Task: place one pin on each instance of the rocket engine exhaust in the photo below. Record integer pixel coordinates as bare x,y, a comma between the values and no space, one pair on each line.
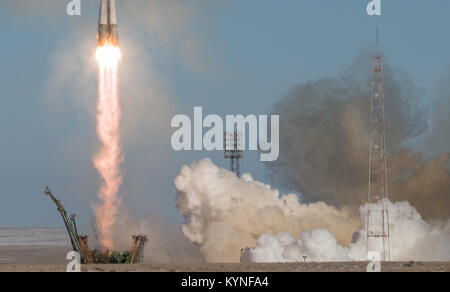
108,159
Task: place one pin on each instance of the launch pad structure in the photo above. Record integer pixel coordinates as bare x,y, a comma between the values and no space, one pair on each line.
378,233
80,242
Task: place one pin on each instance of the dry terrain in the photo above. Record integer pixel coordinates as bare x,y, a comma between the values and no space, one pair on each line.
204,267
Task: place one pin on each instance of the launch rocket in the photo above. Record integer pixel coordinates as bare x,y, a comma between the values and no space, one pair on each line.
107,24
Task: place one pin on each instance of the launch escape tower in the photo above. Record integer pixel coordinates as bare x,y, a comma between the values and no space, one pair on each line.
232,146
378,215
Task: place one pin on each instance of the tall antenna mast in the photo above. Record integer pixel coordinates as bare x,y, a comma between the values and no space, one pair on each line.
377,215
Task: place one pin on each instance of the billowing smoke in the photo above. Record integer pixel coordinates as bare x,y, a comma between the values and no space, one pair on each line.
438,141
225,214
324,142
411,238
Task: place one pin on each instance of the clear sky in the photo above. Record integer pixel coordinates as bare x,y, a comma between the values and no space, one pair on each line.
235,56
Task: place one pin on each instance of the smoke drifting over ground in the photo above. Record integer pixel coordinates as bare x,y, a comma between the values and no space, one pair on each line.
225,214
324,155
411,239
324,142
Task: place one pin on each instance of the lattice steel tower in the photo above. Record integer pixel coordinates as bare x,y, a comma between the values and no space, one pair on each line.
232,146
378,215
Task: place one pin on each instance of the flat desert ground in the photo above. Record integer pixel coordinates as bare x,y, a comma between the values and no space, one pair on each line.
204,267
44,250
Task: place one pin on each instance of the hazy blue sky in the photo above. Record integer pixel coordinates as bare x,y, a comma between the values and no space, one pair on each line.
227,56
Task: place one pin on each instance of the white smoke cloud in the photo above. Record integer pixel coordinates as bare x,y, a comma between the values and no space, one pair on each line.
225,214
411,238
316,245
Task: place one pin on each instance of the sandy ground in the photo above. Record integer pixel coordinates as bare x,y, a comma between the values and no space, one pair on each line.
33,254
23,245
203,267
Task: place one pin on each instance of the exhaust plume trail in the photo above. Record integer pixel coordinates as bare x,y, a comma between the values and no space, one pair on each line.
107,160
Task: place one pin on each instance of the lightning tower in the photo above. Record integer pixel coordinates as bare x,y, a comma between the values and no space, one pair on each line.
232,146
378,216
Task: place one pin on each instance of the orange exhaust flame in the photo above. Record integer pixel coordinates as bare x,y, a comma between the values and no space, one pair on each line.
107,161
